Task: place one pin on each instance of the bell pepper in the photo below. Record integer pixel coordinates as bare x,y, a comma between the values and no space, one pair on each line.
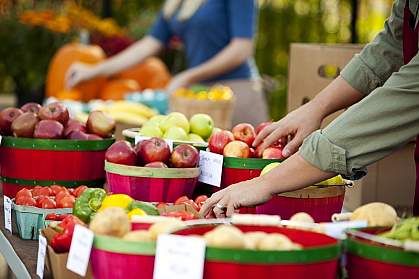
61,242
88,203
116,200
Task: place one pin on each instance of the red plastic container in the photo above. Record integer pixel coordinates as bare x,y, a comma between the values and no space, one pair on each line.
151,184
27,162
236,170
366,259
115,258
320,202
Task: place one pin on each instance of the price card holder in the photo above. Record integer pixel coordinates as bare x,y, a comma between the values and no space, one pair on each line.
141,138
81,245
42,249
337,230
211,165
7,204
179,257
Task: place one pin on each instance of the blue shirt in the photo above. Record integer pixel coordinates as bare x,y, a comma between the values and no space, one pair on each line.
211,29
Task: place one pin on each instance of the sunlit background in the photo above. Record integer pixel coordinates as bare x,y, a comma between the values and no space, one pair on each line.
31,31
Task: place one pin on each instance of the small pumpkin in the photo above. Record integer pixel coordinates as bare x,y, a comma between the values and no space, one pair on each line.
62,60
116,89
151,73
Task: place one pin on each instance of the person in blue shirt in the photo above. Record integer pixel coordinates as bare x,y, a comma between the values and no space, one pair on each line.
219,41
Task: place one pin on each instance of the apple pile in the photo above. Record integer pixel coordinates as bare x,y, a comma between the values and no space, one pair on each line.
176,126
238,143
53,121
153,153
54,196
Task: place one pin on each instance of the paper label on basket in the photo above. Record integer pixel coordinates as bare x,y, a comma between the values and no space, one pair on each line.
81,245
337,230
42,249
179,257
0,139
211,166
141,138
7,204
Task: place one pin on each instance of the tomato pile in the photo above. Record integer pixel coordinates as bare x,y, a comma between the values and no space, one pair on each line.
184,215
54,196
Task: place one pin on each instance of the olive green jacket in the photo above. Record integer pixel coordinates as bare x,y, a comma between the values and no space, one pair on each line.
385,119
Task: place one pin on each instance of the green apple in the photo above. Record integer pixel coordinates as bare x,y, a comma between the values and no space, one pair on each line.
202,125
195,138
175,119
176,133
155,120
269,167
151,131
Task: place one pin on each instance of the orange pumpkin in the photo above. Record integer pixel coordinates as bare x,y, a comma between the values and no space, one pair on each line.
151,73
71,94
62,60
116,89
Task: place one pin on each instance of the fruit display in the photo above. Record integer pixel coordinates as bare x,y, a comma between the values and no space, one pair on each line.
238,143
200,92
51,197
407,229
52,121
153,153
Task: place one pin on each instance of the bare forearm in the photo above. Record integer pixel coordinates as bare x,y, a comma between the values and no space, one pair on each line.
133,55
337,95
293,174
232,56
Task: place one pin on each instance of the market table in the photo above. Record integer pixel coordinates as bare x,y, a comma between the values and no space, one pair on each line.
21,255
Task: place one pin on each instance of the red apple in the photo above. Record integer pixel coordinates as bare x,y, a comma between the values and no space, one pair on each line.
153,150
24,125
101,124
73,125
48,129
31,107
219,140
262,126
156,165
273,152
93,137
244,132
121,152
7,116
258,151
78,135
54,111
237,149
185,156
252,152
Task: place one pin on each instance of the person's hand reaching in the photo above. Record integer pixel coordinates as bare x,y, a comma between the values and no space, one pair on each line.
294,128
79,72
182,79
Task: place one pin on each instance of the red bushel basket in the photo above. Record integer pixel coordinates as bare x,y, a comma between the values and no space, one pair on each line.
27,162
236,170
151,184
368,259
320,202
116,258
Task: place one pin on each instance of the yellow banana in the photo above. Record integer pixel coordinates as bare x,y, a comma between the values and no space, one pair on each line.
128,118
135,108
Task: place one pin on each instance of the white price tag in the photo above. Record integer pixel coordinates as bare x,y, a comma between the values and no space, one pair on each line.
81,245
211,165
141,138
42,249
0,139
179,257
337,229
7,213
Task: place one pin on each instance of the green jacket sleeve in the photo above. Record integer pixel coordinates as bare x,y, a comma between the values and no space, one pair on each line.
380,58
381,123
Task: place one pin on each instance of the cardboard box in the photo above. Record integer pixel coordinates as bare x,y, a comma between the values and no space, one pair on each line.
56,263
391,180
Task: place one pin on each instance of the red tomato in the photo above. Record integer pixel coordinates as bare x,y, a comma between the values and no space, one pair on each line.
56,189
161,205
39,200
24,193
181,200
61,195
48,203
191,203
183,215
66,202
41,191
71,190
79,190
51,217
61,217
25,200
200,200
